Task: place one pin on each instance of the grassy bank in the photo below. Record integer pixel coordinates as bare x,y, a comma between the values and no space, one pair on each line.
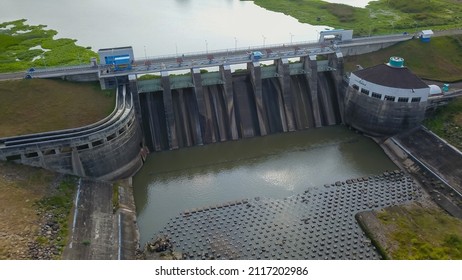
447,123
440,59
421,233
36,105
55,209
379,17
23,46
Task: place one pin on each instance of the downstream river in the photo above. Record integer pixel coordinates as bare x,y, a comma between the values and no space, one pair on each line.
274,166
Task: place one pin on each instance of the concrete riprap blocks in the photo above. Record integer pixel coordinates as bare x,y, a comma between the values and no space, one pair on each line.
317,224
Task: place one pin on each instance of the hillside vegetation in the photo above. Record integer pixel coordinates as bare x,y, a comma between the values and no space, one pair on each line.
379,17
439,60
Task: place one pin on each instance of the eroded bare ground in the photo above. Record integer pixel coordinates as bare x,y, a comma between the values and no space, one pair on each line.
21,221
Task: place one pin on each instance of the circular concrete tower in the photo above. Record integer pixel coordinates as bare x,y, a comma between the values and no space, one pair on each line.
385,99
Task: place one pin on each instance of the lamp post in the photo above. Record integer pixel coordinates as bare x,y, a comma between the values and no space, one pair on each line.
392,27
206,46
235,44
291,37
145,55
264,40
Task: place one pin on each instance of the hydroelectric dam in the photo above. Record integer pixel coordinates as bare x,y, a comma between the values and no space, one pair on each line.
203,108
275,89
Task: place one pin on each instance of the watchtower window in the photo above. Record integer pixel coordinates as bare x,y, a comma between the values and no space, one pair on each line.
403,99
389,98
415,99
376,95
365,91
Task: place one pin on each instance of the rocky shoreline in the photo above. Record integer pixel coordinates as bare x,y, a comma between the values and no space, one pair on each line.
49,246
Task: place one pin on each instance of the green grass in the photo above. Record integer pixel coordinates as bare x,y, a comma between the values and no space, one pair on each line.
440,59
60,204
423,234
447,123
38,105
379,17
149,77
16,43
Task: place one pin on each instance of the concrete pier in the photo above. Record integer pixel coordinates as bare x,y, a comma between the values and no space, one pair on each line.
311,68
284,79
317,224
255,74
168,105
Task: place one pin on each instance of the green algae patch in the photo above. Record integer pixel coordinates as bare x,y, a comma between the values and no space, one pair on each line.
24,46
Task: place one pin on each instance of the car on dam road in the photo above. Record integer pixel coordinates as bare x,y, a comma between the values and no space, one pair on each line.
255,55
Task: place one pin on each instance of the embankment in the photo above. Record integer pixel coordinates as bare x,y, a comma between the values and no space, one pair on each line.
432,162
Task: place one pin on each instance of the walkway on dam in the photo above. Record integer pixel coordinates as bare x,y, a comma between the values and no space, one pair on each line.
317,224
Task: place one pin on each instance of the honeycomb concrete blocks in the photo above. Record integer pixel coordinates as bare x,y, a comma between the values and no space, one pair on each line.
316,224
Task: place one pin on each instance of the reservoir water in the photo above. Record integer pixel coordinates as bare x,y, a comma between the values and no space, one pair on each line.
157,27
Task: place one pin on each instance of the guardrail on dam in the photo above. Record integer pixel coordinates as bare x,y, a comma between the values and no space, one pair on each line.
106,150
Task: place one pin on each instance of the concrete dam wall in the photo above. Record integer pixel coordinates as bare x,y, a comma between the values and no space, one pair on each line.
106,150
205,108
181,111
